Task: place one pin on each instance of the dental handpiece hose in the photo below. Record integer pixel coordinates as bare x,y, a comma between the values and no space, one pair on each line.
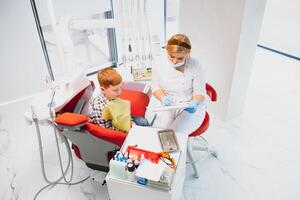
52,115
35,120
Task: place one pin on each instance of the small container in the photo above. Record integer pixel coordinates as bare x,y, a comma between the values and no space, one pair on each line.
131,156
136,163
142,181
142,157
130,171
117,169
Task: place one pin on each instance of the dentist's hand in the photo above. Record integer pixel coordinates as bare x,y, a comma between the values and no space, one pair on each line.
167,101
193,107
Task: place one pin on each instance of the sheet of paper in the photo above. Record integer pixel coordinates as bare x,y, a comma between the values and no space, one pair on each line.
150,171
163,108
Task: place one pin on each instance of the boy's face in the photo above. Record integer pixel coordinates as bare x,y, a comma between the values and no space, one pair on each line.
112,92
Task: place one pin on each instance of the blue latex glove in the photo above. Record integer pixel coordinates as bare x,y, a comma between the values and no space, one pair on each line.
167,101
193,107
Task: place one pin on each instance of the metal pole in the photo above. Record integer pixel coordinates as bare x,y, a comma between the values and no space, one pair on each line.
42,40
165,22
112,41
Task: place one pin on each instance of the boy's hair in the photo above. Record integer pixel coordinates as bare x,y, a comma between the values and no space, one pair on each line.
109,76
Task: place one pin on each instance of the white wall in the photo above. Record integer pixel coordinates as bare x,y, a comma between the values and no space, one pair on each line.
224,35
251,26
281,26
172,17
22,64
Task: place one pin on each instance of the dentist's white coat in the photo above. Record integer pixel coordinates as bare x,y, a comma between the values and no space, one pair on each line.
181,86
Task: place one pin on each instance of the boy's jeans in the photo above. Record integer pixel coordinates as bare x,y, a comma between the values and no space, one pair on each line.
140,121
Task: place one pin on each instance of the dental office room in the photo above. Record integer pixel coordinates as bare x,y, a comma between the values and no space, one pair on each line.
199,100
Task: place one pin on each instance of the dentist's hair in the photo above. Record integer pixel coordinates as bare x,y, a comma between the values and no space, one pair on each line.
179,43
109,76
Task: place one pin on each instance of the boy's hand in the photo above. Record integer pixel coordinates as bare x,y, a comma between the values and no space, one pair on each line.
132,123
167,101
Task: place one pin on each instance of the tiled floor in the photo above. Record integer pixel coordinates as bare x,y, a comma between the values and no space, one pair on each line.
259,156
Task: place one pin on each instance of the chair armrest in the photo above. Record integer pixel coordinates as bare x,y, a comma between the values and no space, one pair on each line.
71,119
113,136
211,92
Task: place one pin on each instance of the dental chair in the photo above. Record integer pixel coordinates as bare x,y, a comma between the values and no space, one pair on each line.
96,145
91,143
197,135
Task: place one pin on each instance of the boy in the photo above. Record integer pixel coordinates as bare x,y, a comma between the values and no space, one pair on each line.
110,82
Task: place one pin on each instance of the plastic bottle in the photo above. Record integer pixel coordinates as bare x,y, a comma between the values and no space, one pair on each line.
117,169
130,171
136,163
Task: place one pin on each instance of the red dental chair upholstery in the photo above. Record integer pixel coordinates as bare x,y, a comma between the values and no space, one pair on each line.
90,142
211,92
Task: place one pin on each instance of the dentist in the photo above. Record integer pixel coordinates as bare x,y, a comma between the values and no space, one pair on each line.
177,77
